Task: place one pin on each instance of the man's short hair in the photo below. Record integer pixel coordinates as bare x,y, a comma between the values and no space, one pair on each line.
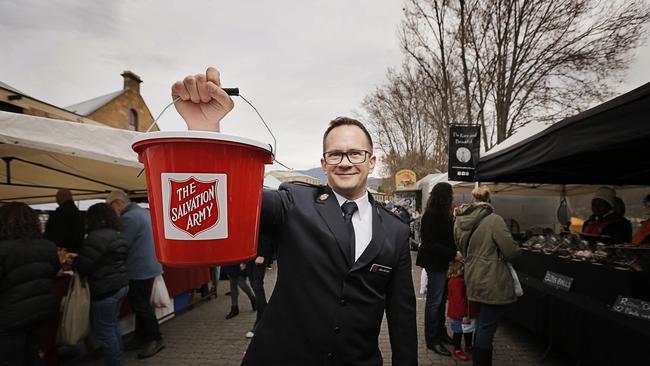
345,121
118,194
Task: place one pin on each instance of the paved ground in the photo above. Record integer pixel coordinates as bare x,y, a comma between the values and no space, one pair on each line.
202,336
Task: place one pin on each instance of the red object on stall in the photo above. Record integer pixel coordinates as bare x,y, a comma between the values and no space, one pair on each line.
179,280
205,192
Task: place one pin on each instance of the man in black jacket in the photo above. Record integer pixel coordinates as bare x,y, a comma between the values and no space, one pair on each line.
342,259
66,226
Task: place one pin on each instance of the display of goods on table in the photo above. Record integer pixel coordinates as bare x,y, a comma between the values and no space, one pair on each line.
598,250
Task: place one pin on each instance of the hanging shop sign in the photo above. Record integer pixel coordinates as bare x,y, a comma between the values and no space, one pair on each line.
464,148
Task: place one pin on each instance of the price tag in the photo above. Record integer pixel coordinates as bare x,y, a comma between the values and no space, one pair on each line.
559,281
633,307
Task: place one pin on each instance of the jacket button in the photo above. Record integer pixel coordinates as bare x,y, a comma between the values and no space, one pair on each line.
337,329
342,302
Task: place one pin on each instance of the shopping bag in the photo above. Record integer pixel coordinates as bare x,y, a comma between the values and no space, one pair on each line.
75,309
159,295
469,327
423,282
515,280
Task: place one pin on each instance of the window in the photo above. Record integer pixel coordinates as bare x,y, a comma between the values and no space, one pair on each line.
133,120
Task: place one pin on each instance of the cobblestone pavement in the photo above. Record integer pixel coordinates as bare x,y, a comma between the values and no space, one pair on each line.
202,336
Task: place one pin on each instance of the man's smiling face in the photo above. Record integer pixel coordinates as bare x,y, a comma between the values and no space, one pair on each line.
347,179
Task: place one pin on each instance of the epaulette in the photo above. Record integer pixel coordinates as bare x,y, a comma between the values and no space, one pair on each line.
305,184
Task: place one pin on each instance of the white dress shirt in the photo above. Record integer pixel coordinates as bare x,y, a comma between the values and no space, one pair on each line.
361,221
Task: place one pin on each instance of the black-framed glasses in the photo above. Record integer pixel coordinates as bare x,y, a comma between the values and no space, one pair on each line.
354,156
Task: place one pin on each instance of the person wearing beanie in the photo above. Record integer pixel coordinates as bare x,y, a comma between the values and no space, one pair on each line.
604,221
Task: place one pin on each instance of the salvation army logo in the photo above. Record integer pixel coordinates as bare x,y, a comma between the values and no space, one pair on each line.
195,206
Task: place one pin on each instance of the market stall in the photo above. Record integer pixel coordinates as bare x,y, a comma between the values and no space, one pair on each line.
576,287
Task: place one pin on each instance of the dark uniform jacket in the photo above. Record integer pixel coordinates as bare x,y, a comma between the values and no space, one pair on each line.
325,310
27,272
102,259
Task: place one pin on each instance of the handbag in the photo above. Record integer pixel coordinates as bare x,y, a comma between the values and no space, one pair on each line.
159,294
75,318
515,279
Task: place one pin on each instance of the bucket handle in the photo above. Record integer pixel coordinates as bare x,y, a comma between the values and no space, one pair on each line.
231,92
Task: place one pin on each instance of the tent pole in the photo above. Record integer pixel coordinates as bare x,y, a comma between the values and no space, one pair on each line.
8,160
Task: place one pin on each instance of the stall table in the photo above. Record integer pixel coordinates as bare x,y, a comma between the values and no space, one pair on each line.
580,321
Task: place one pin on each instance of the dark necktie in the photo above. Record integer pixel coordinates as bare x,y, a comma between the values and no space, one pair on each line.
348,210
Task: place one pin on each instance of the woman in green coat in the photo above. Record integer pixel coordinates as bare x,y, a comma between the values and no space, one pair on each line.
487,245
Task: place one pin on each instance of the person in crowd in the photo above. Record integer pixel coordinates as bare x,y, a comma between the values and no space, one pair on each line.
66,226
604,221
237,275
102,260
343,261
257,271
142,267
487,245
404,213
642,235
28,267
436,250
460,310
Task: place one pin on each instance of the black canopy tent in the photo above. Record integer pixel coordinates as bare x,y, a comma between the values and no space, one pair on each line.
607,144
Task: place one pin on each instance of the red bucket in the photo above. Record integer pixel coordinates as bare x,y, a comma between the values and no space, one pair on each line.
205,193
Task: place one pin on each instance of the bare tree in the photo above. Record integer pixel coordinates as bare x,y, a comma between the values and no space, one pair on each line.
502,64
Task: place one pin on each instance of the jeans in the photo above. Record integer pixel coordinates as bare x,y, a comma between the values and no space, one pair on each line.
257,282
19,348
146,323
434,308
105,315
487,320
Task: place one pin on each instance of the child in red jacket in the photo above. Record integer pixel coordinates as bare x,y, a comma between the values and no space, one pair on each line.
461,312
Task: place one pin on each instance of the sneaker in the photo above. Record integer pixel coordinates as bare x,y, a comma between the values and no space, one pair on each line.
249,334
152,348
459,354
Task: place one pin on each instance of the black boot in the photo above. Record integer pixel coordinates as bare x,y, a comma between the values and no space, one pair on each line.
234,311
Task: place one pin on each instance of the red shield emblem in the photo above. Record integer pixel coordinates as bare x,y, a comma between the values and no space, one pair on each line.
193,205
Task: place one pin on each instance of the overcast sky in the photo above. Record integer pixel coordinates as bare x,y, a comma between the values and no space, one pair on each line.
301,63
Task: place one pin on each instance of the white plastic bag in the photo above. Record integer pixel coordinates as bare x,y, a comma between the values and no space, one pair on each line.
423,282
469,327
159,295
75,317
515,280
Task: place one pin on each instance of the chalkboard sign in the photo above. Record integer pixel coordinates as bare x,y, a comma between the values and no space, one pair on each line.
559,281
632,306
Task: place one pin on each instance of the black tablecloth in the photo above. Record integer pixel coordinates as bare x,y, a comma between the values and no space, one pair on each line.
600,283
580,321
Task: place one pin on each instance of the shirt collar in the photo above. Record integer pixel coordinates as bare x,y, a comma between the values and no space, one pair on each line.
363,203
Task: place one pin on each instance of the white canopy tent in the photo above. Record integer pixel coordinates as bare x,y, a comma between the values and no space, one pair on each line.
42,155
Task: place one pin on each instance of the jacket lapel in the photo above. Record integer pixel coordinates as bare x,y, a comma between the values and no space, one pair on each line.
378,238
331,213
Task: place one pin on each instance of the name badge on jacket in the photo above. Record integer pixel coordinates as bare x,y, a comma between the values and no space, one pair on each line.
379,268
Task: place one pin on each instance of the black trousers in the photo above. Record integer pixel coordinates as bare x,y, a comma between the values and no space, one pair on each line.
257,282
146,324
19,348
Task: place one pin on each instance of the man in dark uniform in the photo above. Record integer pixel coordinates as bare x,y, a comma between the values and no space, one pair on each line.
66,226
342,259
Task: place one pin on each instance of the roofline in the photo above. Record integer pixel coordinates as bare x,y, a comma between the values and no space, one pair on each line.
616,102
40,101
